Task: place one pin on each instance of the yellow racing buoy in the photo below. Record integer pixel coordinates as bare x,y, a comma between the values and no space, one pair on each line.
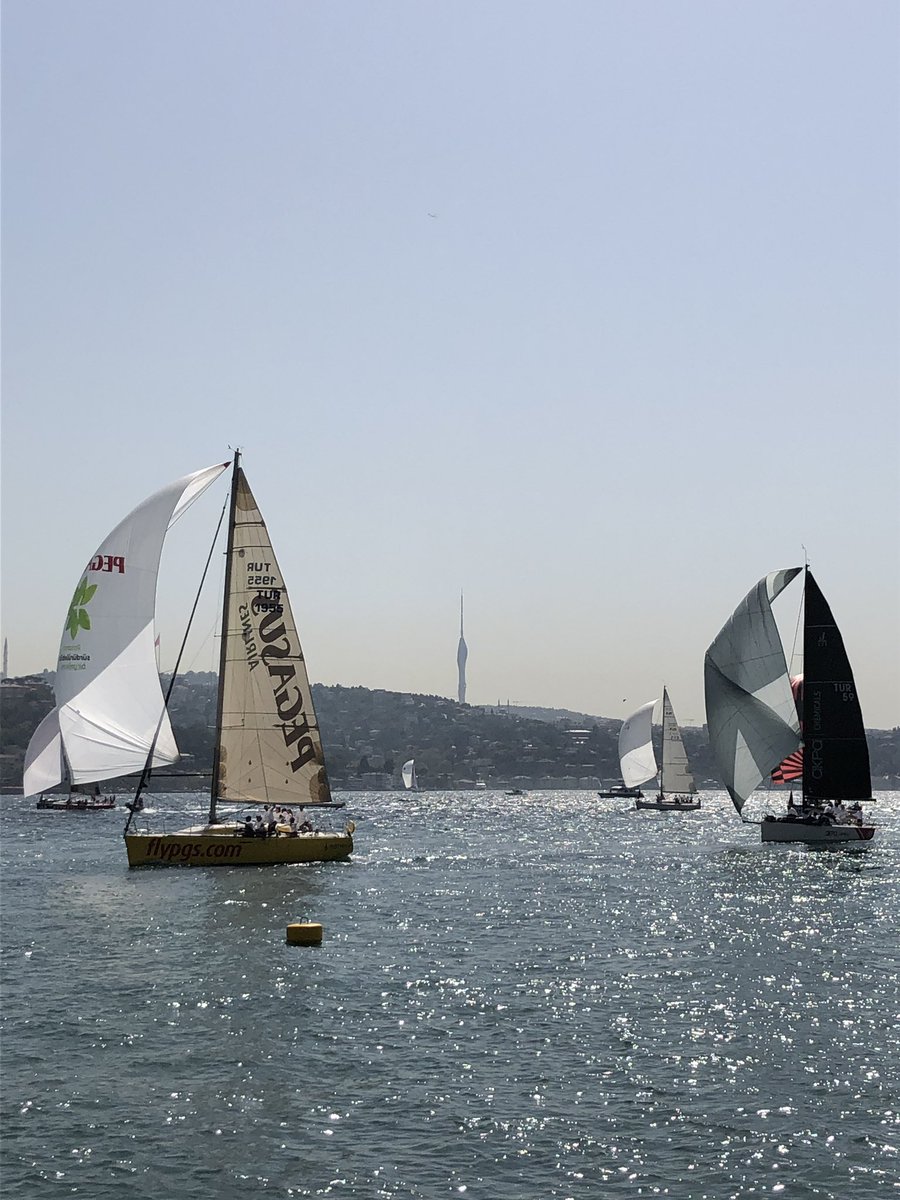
307,933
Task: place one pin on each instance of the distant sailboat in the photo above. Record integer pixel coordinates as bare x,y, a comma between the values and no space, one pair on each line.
408,774
638,762
636,759
755,722
676,783
80,800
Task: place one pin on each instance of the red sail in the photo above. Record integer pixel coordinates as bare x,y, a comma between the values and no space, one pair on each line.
792,767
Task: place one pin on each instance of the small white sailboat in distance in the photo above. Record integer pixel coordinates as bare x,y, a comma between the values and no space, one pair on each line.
676,783
638,761
408,775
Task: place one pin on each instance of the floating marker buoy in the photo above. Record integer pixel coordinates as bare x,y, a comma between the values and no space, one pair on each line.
304,934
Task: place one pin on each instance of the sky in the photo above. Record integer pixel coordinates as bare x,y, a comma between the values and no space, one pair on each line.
587,308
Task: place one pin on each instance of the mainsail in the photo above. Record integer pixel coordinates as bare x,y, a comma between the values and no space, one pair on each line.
408,773
750,711
675,775
269,748
835,747
636,758
109,703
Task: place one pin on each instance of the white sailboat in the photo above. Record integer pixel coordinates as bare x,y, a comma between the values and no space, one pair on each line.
755,722
638,764
676,783
268,747
109,711
408,775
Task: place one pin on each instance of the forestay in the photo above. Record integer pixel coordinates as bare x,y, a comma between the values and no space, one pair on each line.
109,703
750,710
636,758
269,747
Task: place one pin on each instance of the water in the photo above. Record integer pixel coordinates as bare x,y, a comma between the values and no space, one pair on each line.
540,996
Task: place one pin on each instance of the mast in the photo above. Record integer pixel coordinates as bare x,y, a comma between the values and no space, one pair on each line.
662,768
223,647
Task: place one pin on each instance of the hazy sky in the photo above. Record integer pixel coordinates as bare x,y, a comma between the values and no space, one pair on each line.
590,308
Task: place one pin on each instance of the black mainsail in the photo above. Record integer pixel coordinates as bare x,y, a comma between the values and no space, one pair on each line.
835,752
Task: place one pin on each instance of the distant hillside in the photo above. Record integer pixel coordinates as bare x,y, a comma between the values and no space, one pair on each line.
368,734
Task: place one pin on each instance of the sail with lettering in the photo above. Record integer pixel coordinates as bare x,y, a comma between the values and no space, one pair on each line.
837,754
675,775
109,705
676,783
268,748
755,718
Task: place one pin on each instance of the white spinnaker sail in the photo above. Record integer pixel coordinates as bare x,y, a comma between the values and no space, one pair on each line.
750,711
675,775
44,767
408,772
636,758
108,697
270,749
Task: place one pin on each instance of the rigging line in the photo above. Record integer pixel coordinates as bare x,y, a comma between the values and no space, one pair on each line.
145,774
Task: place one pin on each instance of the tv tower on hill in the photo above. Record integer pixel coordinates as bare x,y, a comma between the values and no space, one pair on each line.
462,653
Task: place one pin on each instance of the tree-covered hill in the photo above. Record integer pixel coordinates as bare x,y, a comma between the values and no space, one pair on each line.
368,734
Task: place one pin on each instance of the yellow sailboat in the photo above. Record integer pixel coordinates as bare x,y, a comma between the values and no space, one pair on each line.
268,747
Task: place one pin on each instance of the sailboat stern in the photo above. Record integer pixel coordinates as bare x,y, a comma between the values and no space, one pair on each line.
226,846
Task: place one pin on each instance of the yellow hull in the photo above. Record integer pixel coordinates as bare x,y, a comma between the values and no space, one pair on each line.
221,846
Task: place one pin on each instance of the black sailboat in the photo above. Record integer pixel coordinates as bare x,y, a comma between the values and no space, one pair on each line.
755,724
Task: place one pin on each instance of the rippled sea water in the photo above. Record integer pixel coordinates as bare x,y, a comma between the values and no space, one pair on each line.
541,996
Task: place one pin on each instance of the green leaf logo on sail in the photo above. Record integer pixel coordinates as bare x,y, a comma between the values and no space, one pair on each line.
78,618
